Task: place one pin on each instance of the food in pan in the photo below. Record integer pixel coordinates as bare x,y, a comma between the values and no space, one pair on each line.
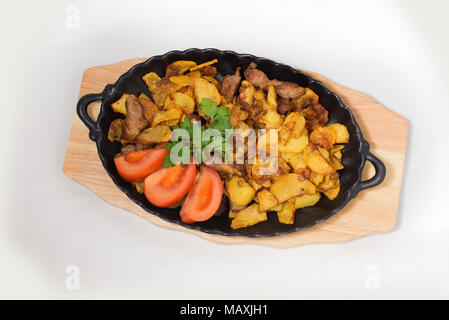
194,113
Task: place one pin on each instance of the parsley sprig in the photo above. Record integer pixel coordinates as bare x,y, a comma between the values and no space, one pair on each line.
219,120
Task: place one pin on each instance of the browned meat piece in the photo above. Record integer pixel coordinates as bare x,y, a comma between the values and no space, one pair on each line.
255,110
149,108
256,77
128,148
224,168
115,130
142,146
209,71
135,121
315,116
289,90
230,84
284,105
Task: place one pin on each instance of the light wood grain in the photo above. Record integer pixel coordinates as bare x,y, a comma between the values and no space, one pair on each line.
372,211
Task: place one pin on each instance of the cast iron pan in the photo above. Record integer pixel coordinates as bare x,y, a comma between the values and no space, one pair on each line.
355,153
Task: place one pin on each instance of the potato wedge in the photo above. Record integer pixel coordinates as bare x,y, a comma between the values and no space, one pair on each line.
179,67
248,217
200,66
296,160
333,193
157,134
184,102
271,97
336,163
291,185
182,80
323,136
166,115
318,164
342,134
295,122
287,214
271,120
266,200
307,200
119,105
295,145
240,192
205,89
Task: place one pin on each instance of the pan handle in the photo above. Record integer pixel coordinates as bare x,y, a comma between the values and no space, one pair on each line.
81,109
378,177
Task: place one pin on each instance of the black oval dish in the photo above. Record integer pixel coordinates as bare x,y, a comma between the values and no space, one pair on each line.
355,153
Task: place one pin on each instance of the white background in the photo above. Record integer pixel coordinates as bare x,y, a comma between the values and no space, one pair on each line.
396,51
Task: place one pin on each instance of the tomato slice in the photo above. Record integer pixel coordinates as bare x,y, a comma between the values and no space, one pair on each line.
136,166
204,197
167,186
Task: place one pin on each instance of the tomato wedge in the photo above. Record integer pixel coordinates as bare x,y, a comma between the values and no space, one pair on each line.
167,186
136,166
204,198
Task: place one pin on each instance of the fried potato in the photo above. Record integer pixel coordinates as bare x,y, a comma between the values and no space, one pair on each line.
287,214
200,66
194,74
270,120
296,160
336,163
316,178
307,200
271,97
266,200
184,102
150,80
232,214
157,134
165,116
324,153
318,164
182,80
205,89
262,170
139,186
328,182
247,93
291,185
324,137
308,98
295,145
342,134
333,193
240,192
214,82
248,217
295,122
119,105
178,67
278,207
268,140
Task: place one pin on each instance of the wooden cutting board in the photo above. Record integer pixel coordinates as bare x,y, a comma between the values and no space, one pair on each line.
372,211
